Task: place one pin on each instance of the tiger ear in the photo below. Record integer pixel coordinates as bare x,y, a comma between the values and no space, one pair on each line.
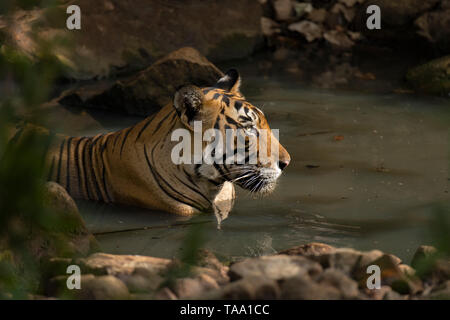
231,81
188,103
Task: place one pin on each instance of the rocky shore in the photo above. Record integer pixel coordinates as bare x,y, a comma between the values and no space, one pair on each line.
312,271
308,271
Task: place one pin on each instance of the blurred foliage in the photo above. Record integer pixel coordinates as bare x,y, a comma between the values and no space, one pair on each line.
194,240
439,229
24,85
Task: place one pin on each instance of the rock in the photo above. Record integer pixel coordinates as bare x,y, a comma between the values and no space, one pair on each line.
137,283
56,198
392,275
305,288
92,288
63,233
310,30
193,287
401,12
345,259
187,287
355,36
377,294
338,39
432,77
442,269
220,276
283,9
351,3
149,90
274,267
336,278
140,33
119,265
407,270
313,248
213,266
435,27
165,294
318,15
441,292
349,14
269,27
250,288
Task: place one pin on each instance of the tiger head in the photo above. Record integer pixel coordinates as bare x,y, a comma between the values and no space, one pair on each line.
223,108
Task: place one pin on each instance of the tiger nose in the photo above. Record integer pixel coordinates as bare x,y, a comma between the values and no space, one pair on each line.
283,164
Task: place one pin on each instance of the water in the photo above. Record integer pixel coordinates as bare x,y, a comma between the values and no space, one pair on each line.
366,171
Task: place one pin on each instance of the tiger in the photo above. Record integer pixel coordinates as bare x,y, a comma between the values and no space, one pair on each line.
133,166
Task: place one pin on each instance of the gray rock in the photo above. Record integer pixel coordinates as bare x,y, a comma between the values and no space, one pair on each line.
336,278
407,270
220,276
308,29
344,259
274,267
250,288
314,248
148,91
103,263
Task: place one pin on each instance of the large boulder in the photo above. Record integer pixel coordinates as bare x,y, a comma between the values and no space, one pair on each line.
118,36
149,90
432,77
64,233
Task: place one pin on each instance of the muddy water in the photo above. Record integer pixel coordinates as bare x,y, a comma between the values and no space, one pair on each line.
366,172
